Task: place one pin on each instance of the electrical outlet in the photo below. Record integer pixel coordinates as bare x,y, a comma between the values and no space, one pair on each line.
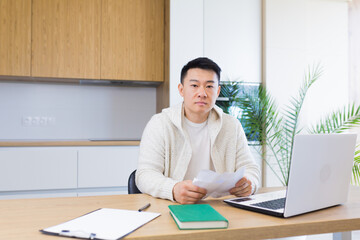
26,121
51,121
36,121
43,121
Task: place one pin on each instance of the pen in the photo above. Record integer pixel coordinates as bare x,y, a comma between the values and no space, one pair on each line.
144,207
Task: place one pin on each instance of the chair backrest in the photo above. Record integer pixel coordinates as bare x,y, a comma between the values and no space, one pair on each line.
132,188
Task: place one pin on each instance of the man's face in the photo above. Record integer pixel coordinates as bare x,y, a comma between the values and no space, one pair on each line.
200,89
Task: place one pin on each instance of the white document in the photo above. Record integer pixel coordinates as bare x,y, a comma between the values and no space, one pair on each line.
216,184
105,223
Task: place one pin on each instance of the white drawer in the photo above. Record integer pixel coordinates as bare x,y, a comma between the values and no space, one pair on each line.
106,166
37,168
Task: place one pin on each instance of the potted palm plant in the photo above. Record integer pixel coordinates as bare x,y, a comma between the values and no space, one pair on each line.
275,130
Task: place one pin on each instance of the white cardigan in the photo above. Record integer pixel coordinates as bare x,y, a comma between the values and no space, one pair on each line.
165,151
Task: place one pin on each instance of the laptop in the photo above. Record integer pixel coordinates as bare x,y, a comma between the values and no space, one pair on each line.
320,175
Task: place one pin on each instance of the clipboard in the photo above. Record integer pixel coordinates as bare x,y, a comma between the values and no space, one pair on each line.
103,223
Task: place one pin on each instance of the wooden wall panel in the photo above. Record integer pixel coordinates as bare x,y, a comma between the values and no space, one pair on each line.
163,91
66,38
132,43
15,37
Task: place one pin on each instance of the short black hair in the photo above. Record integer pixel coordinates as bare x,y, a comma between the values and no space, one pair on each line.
202,63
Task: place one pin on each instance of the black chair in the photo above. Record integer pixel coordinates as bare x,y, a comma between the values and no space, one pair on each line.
132,188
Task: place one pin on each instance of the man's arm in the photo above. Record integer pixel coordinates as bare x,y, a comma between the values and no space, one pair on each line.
250,182
150,176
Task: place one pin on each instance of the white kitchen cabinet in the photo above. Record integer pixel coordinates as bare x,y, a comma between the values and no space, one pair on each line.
106,166
35,168
32,172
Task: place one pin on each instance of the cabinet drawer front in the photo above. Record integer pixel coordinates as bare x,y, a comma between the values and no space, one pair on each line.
37,169
106,166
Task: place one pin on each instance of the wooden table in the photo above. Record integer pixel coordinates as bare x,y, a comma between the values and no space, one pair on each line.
22,219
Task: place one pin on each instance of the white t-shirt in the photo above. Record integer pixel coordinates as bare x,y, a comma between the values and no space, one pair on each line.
200,144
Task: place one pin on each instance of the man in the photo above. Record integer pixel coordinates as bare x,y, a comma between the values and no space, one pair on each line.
182,140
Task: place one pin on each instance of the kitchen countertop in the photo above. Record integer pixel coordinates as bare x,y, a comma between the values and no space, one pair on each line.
68,143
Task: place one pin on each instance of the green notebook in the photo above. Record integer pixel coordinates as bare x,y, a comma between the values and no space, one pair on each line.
197,216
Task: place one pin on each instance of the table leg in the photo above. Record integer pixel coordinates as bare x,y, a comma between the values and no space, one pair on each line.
342,236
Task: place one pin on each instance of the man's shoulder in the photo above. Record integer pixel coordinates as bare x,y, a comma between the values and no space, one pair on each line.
155,125
229,119
158,118
166,116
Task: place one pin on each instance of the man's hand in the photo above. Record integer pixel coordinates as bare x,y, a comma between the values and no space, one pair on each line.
242,188
186,192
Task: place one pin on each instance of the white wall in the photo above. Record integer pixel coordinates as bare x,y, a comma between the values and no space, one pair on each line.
232,37
354,50
300,33
186,39
80,111
228,31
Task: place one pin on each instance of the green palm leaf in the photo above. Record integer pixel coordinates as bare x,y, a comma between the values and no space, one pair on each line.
293,111
339,121
260,114
229,90
356,167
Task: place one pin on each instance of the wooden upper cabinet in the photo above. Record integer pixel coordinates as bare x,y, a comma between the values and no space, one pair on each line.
84,39
66,38
15,37
132,40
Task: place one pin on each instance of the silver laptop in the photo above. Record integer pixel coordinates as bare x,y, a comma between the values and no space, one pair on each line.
320,174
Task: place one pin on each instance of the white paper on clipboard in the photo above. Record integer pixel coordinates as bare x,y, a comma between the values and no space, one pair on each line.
104,223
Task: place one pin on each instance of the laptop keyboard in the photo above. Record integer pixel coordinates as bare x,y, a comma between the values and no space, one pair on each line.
272,204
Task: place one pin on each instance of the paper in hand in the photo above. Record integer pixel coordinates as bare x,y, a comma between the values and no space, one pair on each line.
216,184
